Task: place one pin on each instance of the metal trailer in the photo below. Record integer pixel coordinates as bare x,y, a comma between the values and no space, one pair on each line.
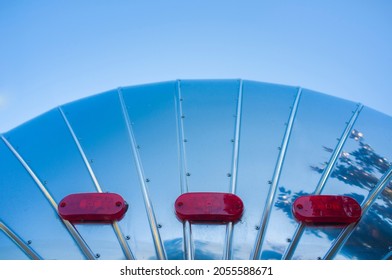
268,144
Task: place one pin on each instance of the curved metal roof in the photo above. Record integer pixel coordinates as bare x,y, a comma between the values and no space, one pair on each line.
266,143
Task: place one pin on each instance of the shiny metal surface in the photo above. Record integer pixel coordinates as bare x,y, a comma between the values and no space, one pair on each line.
35,219
209,132
275,178
14,251
266,143
227,254
314,128
187,242
326,173
265,111
360,167
115,225
53,156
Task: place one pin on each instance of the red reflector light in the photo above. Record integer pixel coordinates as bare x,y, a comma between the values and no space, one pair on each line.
96,207
326,209
209,207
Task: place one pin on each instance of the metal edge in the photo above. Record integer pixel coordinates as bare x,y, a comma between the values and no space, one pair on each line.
366,204
227,253
275,179
74,233
320,186
161,254
19,242
117,230
187,228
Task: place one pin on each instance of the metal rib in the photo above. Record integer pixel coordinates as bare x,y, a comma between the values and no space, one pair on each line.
75,234
347,231
81,151
233,183
150,211
187,228
18,241
275,179
181,139
323,180
116,228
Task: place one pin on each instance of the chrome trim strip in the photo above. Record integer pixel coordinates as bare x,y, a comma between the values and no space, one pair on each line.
83,155
233,183
338,150
19,242
124,245
234,170
116,228
275,179
323,180
72,230
150,211
181,138
347,231
188,242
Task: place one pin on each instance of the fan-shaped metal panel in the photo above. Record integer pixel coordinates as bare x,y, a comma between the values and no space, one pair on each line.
266,143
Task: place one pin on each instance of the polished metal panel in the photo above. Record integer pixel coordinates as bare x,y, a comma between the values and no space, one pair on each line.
362,163
265,111
326,173
152,114
21,245
25,210
345,234
115,225
9,250
275,179
53,156
151,143
209,131
100,127
314,130
227,254
187,231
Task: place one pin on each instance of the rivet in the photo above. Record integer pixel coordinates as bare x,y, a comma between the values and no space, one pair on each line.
159,226
228,175
147,180
183,117
188,174
319,258
270,182
127,237
279,148
29,242
288,240
137,147
97,256
257,227
232,140
185,140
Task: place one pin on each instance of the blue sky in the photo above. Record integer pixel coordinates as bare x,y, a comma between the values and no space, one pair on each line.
54,52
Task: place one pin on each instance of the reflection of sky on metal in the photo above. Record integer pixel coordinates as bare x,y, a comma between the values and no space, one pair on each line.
129,140
55,52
